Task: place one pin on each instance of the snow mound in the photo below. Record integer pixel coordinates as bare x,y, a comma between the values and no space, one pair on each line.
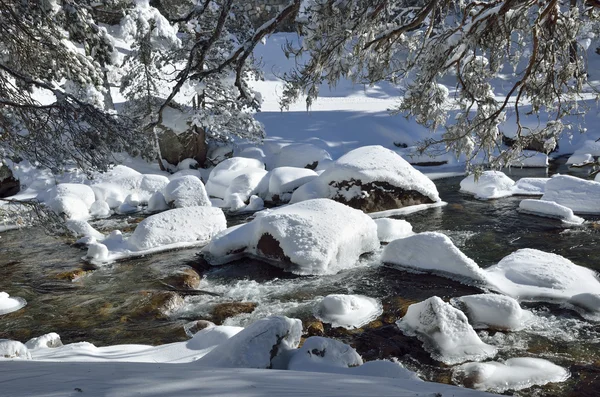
319,352
51,340
157,203
283,181
259,345
392,229
590,303
13,349
362,166
100,209
312,237
186,191
242,187
76,190
445,332
301,155
529,274
577,194
580,159
530,186
221,176
82,228
177,228
489,185
550,209
530,159
493,311
432,252
10,304
513,374
348,311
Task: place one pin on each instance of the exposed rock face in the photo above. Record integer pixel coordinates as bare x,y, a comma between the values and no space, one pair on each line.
378,196
9,186
188,145
270,248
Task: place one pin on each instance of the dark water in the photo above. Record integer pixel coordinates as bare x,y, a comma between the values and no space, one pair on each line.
121,303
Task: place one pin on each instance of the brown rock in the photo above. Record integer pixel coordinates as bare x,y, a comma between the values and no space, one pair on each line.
226,310
196,326
159,304
315,328
187,279
9,186
270,248
72,275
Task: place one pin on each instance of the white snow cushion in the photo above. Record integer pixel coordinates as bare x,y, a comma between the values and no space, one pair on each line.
348,311
514,374
186,191
80,191
549,209
287,179
392,229
13,349
51,340
493,311
221,176
318,352
242,187
530,186
445,332
318,236
301,155
489,185
432,252
580,159
577,194
10,304
69,206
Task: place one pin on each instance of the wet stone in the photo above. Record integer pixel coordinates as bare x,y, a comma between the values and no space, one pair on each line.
223,311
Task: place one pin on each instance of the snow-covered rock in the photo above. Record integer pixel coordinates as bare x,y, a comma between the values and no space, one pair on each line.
373,179
550,209
575,193
392,229
260,345
10,304
301,155
82,228
70,207
13,349
513,374
530,186
312,237
77,190
242,187
589,302
348,311
530,159
100,209
186,191
51,340
283,181
489,185
115,186
221,176
110,193
445,332
318,352
493,311
529,274
157,203
580,159
433,252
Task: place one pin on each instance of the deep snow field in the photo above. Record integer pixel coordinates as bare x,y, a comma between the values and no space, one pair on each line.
497,275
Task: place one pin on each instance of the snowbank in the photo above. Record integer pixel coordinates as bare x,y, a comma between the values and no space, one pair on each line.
513,374
392,229
177,228
10,304
432,252
577,194
489,185
348,311
312,237
580,159
530,186
185,191
530,159
445,332
529,274
493,311
550,209
221,176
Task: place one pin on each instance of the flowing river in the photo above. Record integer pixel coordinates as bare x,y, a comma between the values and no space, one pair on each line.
129,302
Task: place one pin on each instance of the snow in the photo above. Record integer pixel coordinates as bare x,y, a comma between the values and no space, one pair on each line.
489,185
100,209
589,302
185,191
226,171
580,159
318,236
550,209
513,374
318,352
242,187
493,311
445,332
432,252
82,228
348,311
392,229
579,195
529,274
284,180
530,159
260,345
301,155
177,228
77,190
51,340
530,186
13,349
10,304
157,203
70,207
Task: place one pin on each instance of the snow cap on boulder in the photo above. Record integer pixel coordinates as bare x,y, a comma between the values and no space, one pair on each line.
348,311
221,176
186,191
489,185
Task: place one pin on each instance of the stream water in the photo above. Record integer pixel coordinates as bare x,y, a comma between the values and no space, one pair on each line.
121,303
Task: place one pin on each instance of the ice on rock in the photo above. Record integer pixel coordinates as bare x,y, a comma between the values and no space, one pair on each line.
157,203
177,226
513,374
187,191
79,191
225,172
433,252
550,209
318,353
242,188
348,311
580,195
13,349
82,228
10,304
51,340
529,274
493,311
312,237
265,343
445,332
489,185
530,186
301,155
392,229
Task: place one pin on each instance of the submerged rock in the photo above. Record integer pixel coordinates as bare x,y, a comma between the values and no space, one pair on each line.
223,311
